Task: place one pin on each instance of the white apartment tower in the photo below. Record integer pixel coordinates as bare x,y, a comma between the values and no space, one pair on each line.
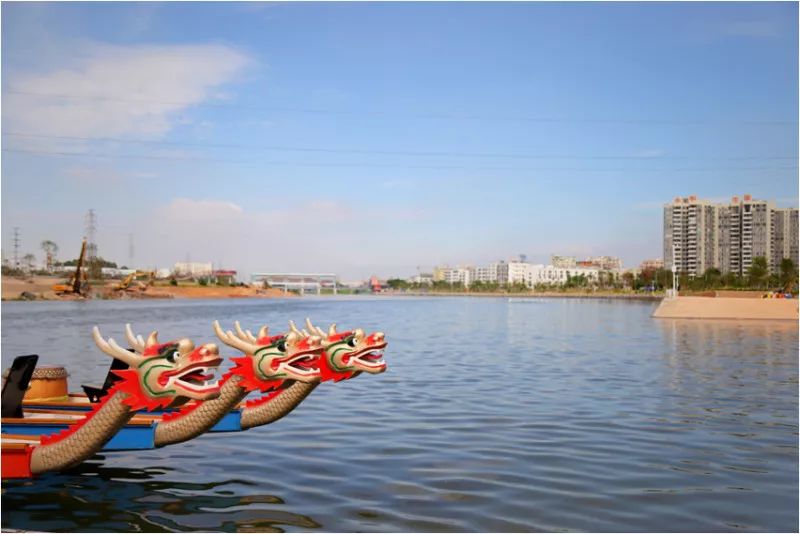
784,236
689,233
727,236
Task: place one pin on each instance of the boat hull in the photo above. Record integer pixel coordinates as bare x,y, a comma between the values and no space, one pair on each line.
230,423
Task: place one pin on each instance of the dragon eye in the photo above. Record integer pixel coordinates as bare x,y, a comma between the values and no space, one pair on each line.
282,345
352,341
172,357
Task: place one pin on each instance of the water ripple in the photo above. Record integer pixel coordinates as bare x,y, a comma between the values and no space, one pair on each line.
494,416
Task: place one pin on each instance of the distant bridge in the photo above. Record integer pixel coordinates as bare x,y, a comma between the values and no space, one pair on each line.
299,281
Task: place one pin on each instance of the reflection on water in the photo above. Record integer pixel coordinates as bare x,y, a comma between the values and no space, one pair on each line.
493,416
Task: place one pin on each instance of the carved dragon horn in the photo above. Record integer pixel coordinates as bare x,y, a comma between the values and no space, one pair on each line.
293,328
111,348
232,341
245,335
152,339
314,329
136,342
292,338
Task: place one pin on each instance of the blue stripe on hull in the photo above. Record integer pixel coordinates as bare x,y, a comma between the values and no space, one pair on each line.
232,422
130,438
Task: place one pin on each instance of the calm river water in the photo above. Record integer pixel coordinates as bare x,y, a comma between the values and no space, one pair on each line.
494,415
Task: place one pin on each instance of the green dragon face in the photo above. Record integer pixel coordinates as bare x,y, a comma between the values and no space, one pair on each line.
165,371
179,369
355,351
286,357
289,357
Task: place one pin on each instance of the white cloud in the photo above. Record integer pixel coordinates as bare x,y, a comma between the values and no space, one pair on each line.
118,91
283,234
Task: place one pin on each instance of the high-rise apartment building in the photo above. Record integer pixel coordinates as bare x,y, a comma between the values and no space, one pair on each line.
784,236
689,235
699,235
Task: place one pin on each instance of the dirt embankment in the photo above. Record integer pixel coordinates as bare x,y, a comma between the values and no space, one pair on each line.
212,292
40,288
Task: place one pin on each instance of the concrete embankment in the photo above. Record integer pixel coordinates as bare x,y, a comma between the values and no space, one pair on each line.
727,308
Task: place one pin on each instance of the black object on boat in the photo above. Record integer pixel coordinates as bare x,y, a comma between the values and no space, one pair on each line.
16,384
94,392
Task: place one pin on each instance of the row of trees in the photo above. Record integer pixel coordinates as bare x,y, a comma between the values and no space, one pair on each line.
757,277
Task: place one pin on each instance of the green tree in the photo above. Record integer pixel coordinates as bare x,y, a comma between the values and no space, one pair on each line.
397,283
712,278
28,260
628,279
788,276
758,273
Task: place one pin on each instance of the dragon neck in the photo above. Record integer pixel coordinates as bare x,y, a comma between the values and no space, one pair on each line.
276,405
80,442
198,418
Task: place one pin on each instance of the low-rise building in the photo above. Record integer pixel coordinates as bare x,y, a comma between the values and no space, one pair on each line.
422,278
651,265
604,263
552,275
563,261
460,275
223,277
487,274
188,268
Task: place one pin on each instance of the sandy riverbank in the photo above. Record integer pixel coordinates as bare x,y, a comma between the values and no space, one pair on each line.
538,294
727,308
41,288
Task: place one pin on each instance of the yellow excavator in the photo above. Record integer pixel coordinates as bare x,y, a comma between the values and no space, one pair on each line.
78,283
126,282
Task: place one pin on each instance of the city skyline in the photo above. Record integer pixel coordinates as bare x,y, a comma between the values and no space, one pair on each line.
371,139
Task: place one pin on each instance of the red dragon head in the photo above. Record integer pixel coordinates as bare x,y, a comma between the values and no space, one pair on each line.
162,374
349,353
269,360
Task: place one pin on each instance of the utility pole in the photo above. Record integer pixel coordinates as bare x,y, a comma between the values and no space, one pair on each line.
91,235
16,247
93,269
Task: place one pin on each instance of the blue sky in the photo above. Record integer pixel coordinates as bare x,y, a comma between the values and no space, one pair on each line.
379,138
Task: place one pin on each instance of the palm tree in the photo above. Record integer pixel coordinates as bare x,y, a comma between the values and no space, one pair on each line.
788,274
51,250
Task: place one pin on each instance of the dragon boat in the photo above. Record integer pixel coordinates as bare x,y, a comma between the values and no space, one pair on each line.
160,375
287,367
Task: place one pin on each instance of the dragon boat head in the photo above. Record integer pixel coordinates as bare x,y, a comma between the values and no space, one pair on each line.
270,360
349,353
161,374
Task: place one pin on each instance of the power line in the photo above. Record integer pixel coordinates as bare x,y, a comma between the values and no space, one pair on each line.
401,114
413,153
393,166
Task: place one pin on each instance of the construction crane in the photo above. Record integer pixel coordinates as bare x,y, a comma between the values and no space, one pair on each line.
78,282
